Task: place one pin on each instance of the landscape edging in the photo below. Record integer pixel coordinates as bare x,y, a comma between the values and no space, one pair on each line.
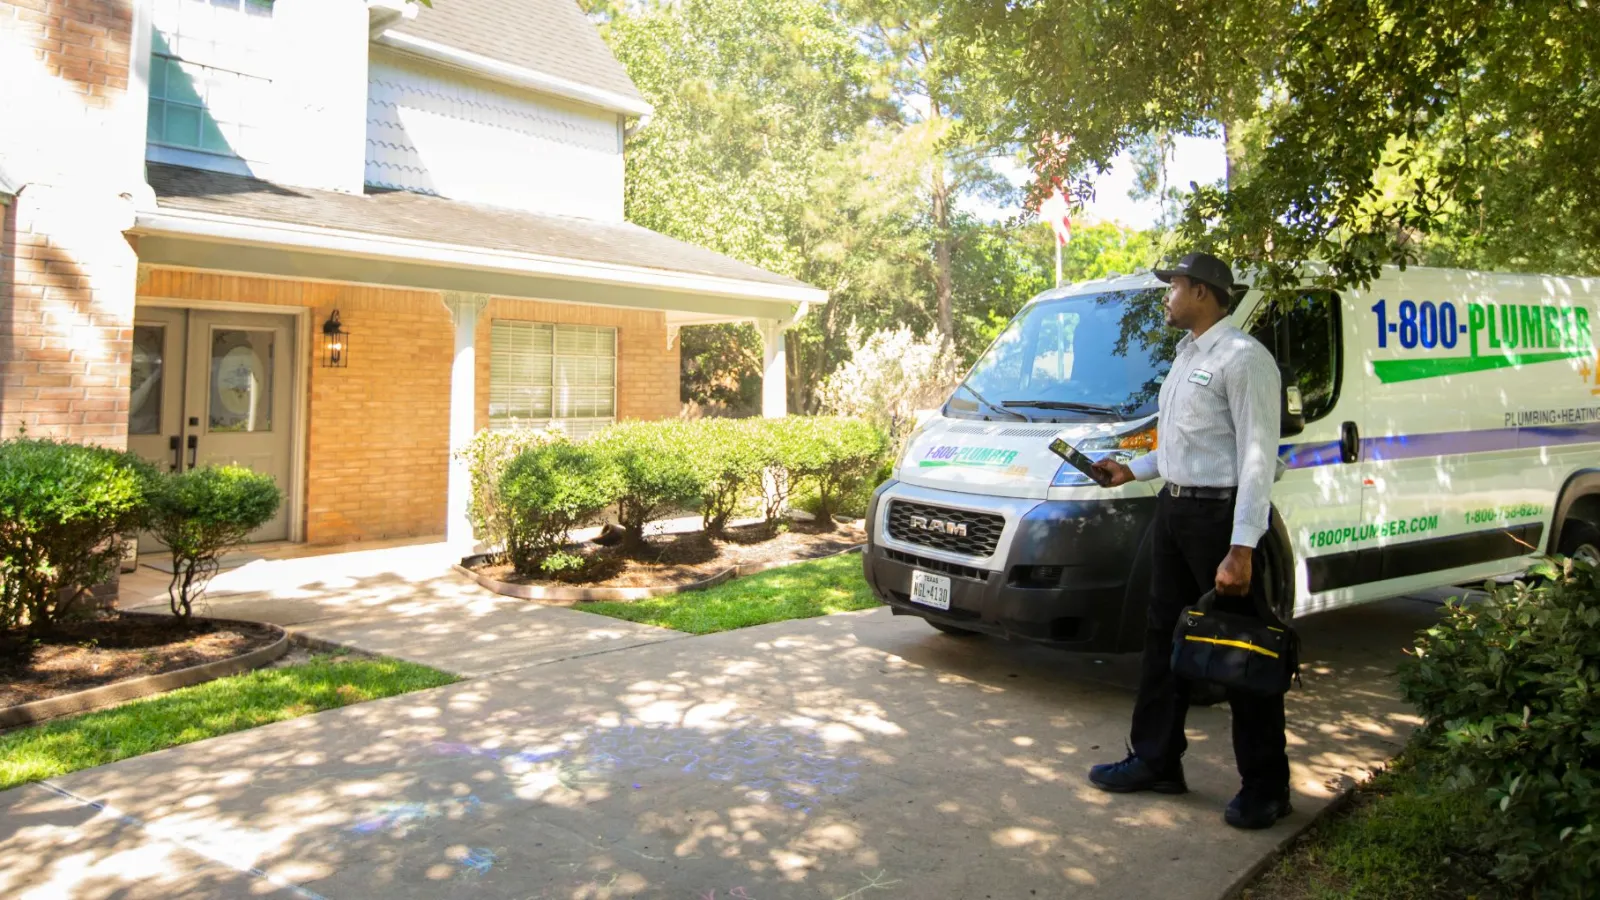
567,596
134,688
1248,877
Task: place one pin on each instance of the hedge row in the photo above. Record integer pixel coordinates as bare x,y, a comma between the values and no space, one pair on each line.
531,488
1510,690
65,507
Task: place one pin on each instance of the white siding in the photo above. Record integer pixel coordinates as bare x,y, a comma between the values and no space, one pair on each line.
438,131
289,93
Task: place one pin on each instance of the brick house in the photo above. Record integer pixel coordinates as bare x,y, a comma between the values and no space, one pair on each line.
279,232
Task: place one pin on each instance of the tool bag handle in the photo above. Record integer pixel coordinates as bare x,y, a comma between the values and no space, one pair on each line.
1209,599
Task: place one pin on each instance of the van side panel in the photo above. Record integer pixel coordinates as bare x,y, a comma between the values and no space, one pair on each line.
1481,402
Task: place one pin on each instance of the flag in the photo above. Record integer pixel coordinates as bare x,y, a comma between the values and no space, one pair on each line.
1054,210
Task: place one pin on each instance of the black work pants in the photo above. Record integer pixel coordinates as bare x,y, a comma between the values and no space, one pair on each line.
1189,538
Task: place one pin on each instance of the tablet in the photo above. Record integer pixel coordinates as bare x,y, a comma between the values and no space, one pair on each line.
1080,462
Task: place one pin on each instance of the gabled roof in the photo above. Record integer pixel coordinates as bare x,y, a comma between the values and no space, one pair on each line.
551,37
453,224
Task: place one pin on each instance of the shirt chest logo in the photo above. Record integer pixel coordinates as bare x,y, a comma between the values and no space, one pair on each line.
1200,377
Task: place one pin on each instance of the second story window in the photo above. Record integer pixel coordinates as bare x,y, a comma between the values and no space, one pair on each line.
210,74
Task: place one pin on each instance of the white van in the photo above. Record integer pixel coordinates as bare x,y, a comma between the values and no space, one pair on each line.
1449,429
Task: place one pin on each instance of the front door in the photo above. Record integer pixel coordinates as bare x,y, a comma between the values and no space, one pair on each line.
214,388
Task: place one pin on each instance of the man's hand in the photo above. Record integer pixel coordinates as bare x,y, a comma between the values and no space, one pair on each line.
1113,472
1233,576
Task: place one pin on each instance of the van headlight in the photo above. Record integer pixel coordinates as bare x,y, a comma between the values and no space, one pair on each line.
1120,447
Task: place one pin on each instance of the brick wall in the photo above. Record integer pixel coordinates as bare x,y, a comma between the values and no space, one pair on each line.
378,454
66,318
66,272
378,445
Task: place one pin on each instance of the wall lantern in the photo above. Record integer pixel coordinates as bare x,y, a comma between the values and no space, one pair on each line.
335,343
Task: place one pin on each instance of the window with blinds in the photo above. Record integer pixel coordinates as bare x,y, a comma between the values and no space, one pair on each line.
539,374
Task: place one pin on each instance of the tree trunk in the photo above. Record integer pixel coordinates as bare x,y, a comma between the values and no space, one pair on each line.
1233,155
941,250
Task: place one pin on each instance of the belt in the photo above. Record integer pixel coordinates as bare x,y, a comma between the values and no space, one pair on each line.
1199,493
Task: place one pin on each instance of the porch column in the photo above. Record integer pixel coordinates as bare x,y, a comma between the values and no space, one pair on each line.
464,309
775,373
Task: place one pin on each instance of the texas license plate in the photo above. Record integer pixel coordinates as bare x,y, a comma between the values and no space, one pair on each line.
929,589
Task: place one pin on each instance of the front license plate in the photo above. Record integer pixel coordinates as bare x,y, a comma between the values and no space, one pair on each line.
929,589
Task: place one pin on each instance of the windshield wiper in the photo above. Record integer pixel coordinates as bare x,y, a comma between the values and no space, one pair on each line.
997,408
1099,408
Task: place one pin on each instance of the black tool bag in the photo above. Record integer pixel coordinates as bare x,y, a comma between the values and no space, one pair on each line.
1256,654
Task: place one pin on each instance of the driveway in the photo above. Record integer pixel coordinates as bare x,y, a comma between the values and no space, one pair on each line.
852,757
403,602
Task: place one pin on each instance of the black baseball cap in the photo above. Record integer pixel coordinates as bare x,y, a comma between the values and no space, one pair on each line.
1205,268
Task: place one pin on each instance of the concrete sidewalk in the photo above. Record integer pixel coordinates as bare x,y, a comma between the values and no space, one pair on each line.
855,756
403,602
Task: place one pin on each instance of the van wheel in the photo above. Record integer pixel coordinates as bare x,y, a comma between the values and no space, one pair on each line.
952,630
1581,541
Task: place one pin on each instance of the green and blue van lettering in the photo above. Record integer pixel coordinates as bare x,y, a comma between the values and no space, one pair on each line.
1496,336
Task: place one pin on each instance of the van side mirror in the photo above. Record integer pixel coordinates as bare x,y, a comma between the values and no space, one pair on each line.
1293,419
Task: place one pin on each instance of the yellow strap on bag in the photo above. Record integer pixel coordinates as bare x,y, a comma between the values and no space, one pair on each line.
1243,645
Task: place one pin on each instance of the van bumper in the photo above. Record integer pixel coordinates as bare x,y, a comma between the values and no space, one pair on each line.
1069,576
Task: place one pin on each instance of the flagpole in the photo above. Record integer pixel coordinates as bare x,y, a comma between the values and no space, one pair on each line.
1058,262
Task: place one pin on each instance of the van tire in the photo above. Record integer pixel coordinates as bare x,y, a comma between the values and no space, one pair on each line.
1581,540
952,630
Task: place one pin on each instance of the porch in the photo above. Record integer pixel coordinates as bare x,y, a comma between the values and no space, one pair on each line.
350,327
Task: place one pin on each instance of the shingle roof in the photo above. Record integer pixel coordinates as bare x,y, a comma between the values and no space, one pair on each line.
548,36
421,217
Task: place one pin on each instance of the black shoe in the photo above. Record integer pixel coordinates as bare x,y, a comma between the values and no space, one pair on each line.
1255,809
1134,774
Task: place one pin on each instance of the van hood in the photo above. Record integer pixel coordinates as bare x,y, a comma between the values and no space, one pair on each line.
1004,459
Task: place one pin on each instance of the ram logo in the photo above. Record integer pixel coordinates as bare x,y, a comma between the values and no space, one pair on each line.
958,529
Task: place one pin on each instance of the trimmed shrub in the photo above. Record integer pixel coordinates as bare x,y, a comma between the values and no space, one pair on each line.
854,501
727,453
831,455
1510,690
487,457
658,470
62,508
200,515
547,491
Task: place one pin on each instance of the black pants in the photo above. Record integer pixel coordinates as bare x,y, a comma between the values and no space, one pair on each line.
1188,540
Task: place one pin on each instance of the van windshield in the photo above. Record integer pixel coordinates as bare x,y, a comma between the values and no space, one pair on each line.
1095,354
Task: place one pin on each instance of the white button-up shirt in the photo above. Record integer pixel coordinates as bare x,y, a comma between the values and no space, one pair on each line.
1219,424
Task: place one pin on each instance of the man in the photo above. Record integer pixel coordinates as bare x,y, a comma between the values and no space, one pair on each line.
1217,448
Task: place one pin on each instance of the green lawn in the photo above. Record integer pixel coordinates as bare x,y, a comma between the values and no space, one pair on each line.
794,592
205,710
1403,837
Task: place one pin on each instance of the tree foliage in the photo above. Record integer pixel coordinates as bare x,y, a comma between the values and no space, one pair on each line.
62,509
1363,132
202,514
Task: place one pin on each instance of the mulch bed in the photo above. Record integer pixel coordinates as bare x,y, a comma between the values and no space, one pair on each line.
81,655
684,558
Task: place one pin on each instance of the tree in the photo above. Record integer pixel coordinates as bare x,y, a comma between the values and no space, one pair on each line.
200,515
1003,265
1361,133
749,95
940,85
759,150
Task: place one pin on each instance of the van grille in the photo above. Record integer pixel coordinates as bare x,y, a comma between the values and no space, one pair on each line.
951,530
936,565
